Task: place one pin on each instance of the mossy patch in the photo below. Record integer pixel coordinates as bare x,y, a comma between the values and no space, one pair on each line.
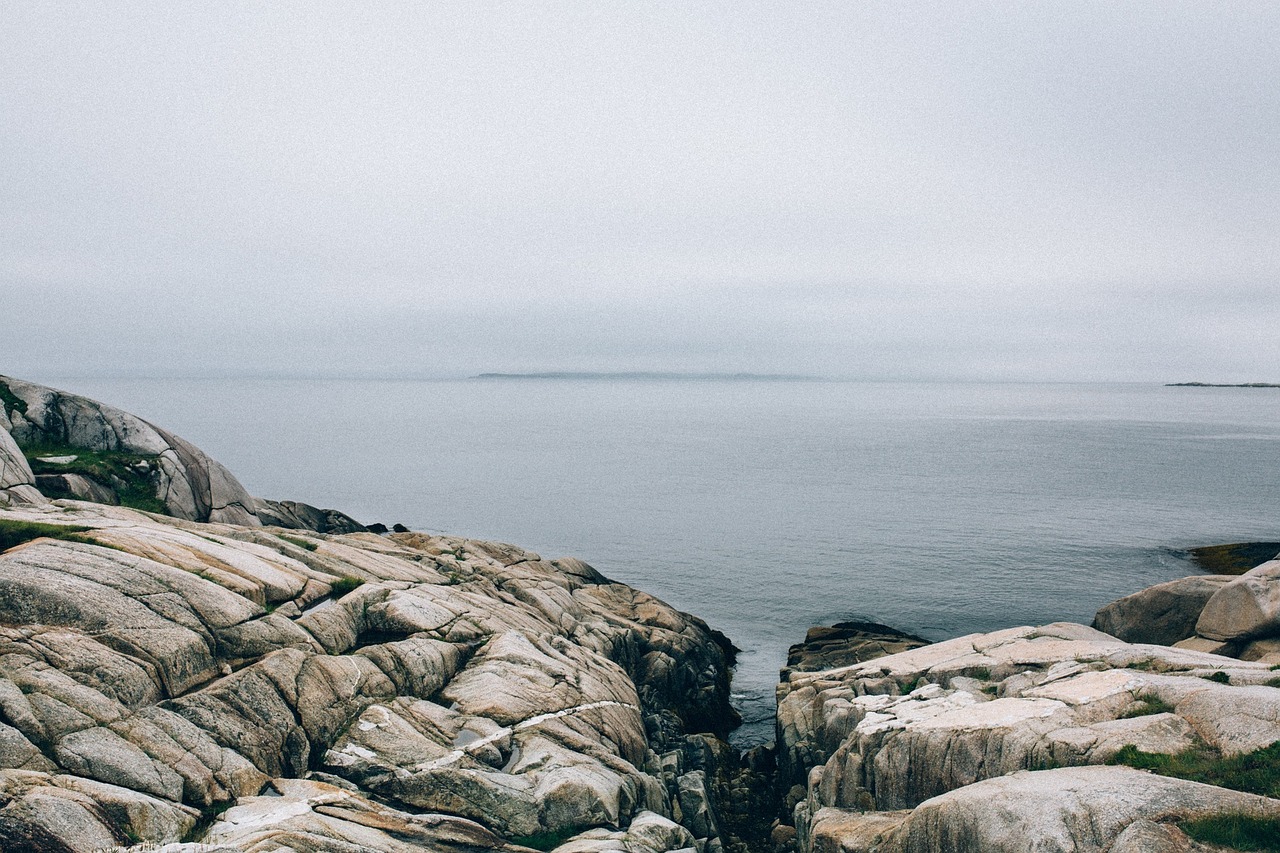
546,840
342,586
12,402
1234,559
1237,831
16,532
133,477
1149,704
299,542
1256,772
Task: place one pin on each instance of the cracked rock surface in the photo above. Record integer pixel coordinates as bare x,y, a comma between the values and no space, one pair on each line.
914,751
248,688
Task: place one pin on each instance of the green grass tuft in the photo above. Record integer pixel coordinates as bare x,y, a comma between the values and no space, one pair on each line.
1237,831
124,473
981,673
1219,677
299,542
1256,772
342,586
16,532
1150,704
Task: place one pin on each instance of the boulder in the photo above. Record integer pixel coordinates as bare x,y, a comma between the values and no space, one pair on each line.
1247,608
299,516
1162,614
77,487
17,483
1073,810
847,643
14,468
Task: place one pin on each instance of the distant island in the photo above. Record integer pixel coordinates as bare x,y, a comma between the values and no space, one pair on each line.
645,375
1222,385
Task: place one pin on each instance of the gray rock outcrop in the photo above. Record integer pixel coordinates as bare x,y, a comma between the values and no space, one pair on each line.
1163,614
889,734
845,643
168,473
1069,810
155,670
1247,608
186,481
17,483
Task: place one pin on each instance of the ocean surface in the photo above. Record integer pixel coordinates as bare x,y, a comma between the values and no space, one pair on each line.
767,507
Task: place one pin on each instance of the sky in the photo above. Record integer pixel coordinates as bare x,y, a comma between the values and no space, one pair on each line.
1070,191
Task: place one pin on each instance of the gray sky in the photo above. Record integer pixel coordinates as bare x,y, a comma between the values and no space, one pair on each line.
873,190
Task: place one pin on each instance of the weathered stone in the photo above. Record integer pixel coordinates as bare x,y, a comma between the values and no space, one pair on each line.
75,486
154,669
14,468
847,643
1263,651
1204,644
101,754
1247,608
299,516
1161,614
839,831
1073,809
893,732
1146,836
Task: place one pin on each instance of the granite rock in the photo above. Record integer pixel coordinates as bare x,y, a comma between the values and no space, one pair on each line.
1164,614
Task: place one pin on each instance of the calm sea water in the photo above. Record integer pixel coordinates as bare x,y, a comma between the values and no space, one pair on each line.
769,507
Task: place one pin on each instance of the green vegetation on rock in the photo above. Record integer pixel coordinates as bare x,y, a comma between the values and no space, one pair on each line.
1256,772
16,532
12,402
299,542
546,840
130,475
1237,831
1150,705
342,586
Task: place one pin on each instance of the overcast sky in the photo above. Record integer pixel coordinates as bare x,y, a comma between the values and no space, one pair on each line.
872,190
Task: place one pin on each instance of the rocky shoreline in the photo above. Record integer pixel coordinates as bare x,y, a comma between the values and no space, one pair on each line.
186,667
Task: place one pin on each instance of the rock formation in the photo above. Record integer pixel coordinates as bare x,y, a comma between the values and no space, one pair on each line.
17,483
235,674
391,691
127,457
1236,616
913,751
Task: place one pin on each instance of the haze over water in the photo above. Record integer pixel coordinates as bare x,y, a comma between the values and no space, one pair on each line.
767,507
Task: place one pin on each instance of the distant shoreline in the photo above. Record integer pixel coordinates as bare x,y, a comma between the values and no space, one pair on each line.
1222,385
643,375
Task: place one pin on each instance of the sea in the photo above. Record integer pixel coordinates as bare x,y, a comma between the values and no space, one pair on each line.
767,506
